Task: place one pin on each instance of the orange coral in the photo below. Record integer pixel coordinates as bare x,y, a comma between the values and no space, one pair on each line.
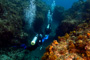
80,37
46,53
79,41
88,53
61,38
52,57
71,46
77,58
44,57
51,52
66,35
55,42
76,44
62,52
50,48
84,37
88,35
83,55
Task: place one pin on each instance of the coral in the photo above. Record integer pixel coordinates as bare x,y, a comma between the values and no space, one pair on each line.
88,53
46,54
61,38
75,45
80,37
66,35
55,42
52,57
88,35
50,48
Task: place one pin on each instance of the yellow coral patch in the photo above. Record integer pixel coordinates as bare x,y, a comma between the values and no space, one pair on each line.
55,42
66,35
50,49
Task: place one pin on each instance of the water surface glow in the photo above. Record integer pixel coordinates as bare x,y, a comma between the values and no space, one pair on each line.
64,3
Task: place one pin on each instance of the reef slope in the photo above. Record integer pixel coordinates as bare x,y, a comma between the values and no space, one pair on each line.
75,45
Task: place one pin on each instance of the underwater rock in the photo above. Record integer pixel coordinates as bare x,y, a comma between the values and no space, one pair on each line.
75,45
1,10
11,23
78,13
41,14
66,26
14,54
58,14
86,11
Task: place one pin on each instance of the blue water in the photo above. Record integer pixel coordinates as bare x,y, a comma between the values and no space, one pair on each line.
64,3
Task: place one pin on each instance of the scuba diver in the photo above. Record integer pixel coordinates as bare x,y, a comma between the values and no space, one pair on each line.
40,38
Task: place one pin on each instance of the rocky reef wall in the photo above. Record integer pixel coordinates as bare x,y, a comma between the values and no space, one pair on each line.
75,45
78,13
12,24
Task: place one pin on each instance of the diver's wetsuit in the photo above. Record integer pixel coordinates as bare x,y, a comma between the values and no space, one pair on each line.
40,37
47,31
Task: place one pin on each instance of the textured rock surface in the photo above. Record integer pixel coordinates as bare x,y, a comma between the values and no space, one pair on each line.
75,45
